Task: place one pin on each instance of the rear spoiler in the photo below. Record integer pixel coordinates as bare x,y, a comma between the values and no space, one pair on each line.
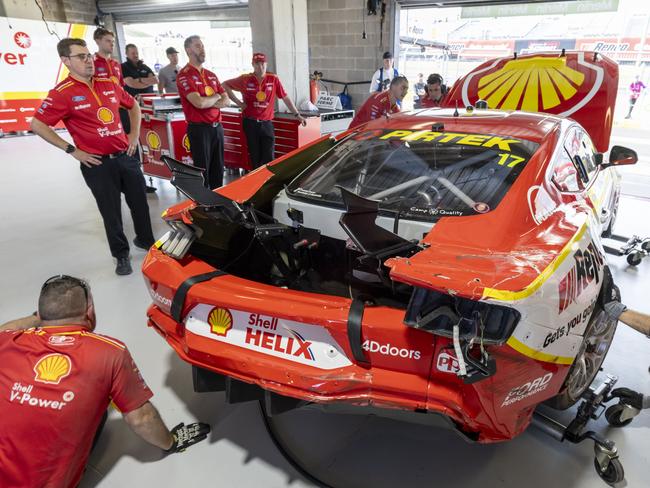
581,85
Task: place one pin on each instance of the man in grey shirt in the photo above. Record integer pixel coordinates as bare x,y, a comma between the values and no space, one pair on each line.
167,74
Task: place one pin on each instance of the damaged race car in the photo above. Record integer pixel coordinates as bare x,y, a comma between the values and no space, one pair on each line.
442,261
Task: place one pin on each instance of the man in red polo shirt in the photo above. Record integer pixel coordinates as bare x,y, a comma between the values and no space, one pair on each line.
105,65
89,107
202,97
57,379
435,92
382,103
259,90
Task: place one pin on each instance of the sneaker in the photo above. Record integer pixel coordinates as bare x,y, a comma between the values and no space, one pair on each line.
138,243
150,189
123,267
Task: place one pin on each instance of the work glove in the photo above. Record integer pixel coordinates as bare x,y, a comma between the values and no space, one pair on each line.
631,398
614,309
187,435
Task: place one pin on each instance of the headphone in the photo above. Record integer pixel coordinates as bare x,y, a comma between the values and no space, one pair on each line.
435,78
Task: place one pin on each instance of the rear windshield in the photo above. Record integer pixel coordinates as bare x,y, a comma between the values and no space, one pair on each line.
423,175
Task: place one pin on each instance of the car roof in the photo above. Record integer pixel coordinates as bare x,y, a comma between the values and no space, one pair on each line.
525,125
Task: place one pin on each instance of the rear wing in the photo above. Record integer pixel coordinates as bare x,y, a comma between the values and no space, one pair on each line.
581,85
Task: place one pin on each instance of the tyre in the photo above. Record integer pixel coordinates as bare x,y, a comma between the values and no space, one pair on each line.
634,259
614,472
645,245
613,415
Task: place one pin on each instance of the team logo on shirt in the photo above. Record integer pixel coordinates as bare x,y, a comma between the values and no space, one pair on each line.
105,115
209,91
186,143
61,340
261,96
52,368
220,320
78,98
153,140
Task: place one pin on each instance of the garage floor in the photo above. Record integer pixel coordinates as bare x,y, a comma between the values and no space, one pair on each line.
50,225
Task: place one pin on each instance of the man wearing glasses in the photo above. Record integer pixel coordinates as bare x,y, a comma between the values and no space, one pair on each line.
89,108
58,379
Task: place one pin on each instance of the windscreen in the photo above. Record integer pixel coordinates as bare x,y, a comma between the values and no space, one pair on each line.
423,175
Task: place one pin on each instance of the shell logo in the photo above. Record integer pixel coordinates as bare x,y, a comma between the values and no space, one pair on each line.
153,140
532,84
220,320
105,115
186,143
52,368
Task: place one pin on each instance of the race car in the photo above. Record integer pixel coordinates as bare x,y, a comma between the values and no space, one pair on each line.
442,261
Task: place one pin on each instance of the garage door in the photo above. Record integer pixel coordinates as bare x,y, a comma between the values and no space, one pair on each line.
128,11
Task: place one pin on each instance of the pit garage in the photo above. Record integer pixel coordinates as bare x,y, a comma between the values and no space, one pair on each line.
421,299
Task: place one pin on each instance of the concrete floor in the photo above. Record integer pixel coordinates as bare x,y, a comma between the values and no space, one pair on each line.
50,225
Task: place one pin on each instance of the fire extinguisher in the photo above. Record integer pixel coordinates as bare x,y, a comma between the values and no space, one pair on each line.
313,86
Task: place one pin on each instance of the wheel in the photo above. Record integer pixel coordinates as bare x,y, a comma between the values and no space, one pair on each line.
645,245
613,416
614,472
634,259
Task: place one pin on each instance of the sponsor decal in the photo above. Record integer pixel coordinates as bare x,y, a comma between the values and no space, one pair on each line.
293,341
25,395
61,340
447,363
157,297
3,110
108,92
78,98
113,100
101,69
390,350
105,115
220,320
186,143
82,106
528,389
153,140
52,368
496,142
105,132
586,269
22,39
565,330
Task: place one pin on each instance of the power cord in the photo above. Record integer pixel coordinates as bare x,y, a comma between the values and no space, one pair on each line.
47,26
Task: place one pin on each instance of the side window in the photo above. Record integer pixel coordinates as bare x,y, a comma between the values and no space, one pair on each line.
565,175
582,153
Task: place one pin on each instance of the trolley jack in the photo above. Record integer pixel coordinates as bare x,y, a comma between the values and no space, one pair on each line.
635,248
606,460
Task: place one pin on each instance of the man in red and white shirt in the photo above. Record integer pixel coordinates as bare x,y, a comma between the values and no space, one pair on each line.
105,65
259,90
57,379
382,103
89,107
202,97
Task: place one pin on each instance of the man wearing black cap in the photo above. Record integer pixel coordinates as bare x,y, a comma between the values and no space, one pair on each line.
167,74
384,75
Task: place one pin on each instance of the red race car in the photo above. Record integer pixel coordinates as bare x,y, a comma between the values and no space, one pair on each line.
444,261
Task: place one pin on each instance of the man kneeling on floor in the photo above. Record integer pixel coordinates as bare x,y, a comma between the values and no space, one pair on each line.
58,378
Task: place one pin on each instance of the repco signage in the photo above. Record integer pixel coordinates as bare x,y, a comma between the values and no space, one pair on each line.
14,53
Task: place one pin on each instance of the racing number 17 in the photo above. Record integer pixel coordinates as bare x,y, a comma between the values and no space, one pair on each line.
511,159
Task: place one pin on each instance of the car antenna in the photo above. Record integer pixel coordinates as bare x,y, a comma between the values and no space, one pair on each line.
456,110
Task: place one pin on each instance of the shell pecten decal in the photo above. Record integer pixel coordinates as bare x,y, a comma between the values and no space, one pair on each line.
105,115
220,321
532,84
153,140
52,368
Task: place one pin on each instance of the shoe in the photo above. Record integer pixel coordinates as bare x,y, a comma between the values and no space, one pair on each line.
150,189
123,267
138,243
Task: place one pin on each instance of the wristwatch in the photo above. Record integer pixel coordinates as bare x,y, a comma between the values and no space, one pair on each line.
70,149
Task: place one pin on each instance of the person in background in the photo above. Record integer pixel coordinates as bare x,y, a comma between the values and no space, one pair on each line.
434,92
60,377
384,75
382,103
167,74
105,65
636,88
259,90
420,90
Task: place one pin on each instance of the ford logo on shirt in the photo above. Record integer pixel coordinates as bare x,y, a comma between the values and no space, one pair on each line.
78,98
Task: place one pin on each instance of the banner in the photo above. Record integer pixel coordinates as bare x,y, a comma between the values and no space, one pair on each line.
532,46
620,49
543,8
30,66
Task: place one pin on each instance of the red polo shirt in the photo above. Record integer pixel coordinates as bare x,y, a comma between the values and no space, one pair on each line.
259,96
56,383
203,82
108,68
378,104
426,102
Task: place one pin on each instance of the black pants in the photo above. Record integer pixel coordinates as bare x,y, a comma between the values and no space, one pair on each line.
107,181
126,125
206,145
261,141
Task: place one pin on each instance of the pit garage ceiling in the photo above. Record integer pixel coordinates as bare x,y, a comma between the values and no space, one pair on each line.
159,10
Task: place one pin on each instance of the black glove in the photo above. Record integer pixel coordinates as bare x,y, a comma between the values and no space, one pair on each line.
629,397
614,309
187,435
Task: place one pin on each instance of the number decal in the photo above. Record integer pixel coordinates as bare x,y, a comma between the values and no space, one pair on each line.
514,160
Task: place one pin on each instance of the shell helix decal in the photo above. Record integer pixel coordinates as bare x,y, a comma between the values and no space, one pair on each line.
533,84
153,140
297,342
105,115
52,368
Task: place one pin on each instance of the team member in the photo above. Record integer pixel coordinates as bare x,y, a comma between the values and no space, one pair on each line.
434,92
636,88
88,107
384,75
259,90
58,379
202,97
382,103
167,74
105,65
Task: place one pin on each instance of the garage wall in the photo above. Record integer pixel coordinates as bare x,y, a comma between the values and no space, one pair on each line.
73,11
336,46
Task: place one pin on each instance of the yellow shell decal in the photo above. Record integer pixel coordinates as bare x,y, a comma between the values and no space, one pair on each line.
209,91
153,140
186,143
52,368
105,115
533,84
220,321
261,96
